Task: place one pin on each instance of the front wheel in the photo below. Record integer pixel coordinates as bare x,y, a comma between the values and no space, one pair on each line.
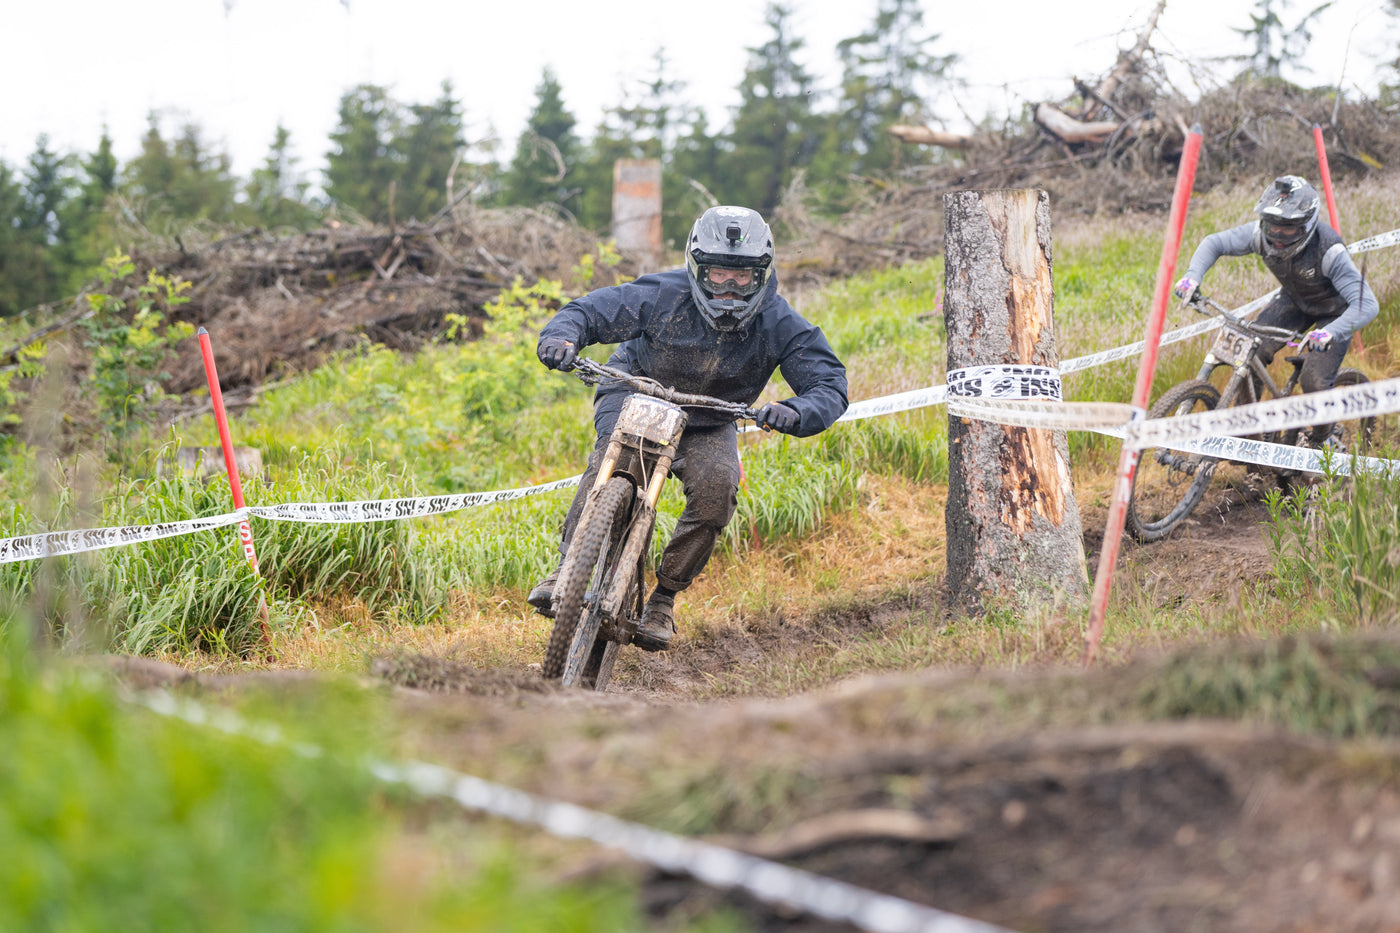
589,565
1168,484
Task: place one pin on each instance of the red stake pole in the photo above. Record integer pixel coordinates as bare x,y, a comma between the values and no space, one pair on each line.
1128,459
1326,177
245,533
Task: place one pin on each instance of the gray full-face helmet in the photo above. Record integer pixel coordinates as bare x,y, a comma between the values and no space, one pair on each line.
1287,211
729,257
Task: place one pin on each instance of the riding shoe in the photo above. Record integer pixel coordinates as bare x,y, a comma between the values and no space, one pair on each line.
542,596
658,623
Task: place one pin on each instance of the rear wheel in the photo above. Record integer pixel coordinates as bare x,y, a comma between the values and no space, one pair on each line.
589,566
1371,436
1168,484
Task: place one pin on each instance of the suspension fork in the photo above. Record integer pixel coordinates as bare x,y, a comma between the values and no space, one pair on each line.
638,536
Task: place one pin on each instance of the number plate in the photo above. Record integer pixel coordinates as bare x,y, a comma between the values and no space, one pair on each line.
652,419
1230,348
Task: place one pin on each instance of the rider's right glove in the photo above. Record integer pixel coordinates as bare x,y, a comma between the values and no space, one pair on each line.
1186,288
556,353
776,416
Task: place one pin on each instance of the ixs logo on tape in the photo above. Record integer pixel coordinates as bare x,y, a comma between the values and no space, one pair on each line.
1005,382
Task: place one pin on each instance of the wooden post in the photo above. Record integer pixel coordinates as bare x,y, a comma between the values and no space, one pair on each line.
1014,534
636,224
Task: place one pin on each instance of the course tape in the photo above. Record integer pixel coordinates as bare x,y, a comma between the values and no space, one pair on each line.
1005,382
55,543
717,866
1078,416
379,510
1295,411
1281,456
1008,382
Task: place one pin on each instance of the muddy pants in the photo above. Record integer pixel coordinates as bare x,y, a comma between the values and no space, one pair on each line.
1319,366
707,463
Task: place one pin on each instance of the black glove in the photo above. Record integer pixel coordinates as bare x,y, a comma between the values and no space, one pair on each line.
556,353
775,416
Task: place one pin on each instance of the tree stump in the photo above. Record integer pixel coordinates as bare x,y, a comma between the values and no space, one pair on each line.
1014,536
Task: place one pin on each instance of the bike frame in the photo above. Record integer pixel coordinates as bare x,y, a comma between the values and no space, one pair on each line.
641,449
1248,363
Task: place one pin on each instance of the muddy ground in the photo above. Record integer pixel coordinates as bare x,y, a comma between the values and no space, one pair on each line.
1032,799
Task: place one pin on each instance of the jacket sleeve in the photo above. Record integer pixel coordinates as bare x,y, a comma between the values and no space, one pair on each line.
811,368
605,315
1362,306
1237,241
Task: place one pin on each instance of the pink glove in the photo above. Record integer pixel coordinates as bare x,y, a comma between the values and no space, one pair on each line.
1317,340
1186,288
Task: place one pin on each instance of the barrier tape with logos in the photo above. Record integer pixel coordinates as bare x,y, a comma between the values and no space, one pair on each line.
1012,395
768,881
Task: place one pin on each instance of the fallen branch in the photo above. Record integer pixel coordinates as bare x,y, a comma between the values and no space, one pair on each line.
1065,127
926,136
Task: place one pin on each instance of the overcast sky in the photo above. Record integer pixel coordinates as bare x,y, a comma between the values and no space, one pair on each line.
237,68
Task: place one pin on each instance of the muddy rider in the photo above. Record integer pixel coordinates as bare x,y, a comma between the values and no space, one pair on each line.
1320,288
717,327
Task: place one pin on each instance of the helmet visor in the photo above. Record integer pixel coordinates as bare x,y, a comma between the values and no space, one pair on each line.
738,281
1283,234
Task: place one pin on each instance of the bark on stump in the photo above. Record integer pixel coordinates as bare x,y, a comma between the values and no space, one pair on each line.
1014,535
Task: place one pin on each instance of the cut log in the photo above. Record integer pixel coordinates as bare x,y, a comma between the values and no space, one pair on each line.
927,136
1014,535
1071,130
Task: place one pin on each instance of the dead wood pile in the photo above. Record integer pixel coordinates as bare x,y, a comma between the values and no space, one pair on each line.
1111,146
277,304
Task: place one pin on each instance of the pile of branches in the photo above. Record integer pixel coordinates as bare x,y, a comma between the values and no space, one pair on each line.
281,304
1111,146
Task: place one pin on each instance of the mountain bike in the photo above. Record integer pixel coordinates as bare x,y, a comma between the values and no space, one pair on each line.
601,589
1169,484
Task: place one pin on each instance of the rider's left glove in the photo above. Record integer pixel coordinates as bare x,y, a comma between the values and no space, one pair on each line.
775,416
1186,288
556,353
1318,340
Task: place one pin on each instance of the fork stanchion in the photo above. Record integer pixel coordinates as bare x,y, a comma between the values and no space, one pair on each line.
1128,458
245,533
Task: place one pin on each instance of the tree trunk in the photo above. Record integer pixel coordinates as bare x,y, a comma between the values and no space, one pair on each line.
1013,528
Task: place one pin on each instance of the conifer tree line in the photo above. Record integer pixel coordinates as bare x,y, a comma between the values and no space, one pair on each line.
391,161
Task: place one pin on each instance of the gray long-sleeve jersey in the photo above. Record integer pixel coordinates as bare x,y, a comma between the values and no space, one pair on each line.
1321,279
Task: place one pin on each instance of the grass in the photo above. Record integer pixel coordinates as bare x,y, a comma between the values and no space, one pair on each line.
461,417
112,817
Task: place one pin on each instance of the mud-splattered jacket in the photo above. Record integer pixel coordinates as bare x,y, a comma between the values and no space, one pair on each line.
1321,279
662,334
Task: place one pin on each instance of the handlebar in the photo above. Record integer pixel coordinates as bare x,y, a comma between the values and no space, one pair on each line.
592,373
1203,304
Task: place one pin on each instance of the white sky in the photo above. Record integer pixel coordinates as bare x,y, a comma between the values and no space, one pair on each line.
238,67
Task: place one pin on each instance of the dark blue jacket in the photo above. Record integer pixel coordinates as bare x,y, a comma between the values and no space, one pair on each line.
662,335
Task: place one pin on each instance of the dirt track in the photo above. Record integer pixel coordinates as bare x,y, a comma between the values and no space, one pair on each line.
1037,801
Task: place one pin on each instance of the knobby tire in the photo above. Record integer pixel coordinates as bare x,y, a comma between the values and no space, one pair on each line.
598,528
1360,436
1165,493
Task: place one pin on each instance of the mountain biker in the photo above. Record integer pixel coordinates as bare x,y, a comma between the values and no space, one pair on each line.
717,327
1320,287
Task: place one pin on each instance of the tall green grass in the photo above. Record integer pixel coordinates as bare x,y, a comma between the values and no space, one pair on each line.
1337,548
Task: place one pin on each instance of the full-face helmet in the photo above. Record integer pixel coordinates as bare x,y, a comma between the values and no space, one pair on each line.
1287,216
729,258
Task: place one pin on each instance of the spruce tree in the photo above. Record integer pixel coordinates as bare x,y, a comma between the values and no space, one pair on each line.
776,131
544,168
